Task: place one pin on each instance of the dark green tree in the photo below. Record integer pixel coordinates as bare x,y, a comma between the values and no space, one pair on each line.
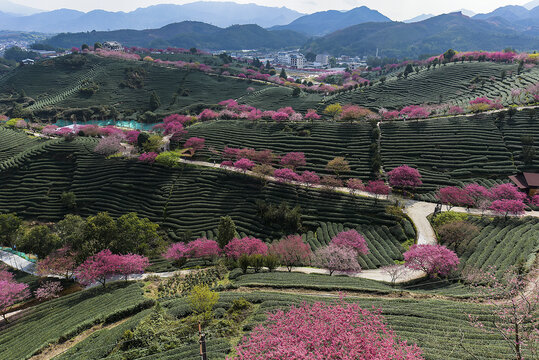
69,200
193,50
268,65
226,231
136,235
310,56
71,230
408,70
39,240
155,102
98,45
449,54
9,225
296,92
283,74
85,47
100,232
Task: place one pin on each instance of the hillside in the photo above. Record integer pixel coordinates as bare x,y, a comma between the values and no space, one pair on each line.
431,36
188,34
218,13
325,22
123,85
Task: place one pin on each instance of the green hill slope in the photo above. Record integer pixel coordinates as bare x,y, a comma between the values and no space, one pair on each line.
125,86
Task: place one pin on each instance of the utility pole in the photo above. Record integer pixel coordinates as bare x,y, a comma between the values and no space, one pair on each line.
202,342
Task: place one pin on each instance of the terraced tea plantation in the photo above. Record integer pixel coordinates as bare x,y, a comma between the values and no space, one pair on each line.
65,317
14,142
126,85
320,142
188,199
273,98
447,151
502,243
445,84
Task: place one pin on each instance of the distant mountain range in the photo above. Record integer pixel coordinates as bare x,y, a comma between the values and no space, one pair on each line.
221,14
431,36
515,17
419,18
16,9
325,22
188,34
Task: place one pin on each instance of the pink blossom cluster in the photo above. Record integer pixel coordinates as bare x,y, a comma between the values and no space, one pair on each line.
247,245
148,157
106,265
435,260
11,292
323,331
199,248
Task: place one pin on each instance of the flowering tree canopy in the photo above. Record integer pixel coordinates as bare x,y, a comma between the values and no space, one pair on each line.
244,164
195,144
203,248
291,251
351,239
60,262
248,246
508,207
404,177
286,175
337,258
377,187
11,292
310,178
49,290
454,196
293,160
507,192
433,259
323,331
177,251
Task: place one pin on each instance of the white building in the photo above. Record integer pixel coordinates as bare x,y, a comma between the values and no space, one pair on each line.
113,45
297,61
322,59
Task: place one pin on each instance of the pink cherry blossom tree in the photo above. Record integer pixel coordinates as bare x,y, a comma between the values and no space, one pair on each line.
293,160
203,248
454,196
48,290
248,246
60,262
435,260
310,178
508,207
286,175
148,157
507,192
11,292
97,268
177,252
378,188
337,258
477,193
351,239
312,115
194,144
131,264
244,164
207,114
323,331
355,185
291,251
404,177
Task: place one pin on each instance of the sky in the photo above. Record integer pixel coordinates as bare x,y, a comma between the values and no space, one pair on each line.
395,9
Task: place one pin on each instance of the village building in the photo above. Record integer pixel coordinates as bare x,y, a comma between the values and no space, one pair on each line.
527,182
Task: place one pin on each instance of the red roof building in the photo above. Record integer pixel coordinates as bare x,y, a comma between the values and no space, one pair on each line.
527,182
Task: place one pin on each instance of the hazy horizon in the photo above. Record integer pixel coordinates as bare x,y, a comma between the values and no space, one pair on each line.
403,10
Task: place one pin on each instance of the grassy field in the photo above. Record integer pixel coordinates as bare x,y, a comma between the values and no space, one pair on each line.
320,142
445,84
65,317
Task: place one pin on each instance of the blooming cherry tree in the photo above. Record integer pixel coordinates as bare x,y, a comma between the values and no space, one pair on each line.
293,160
351,239
195,144
404,177
337,258
433,259
291,251
323,331
310,178
203,248
244,164
508,207
286,175
48,290
60,262
248,246
11,292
